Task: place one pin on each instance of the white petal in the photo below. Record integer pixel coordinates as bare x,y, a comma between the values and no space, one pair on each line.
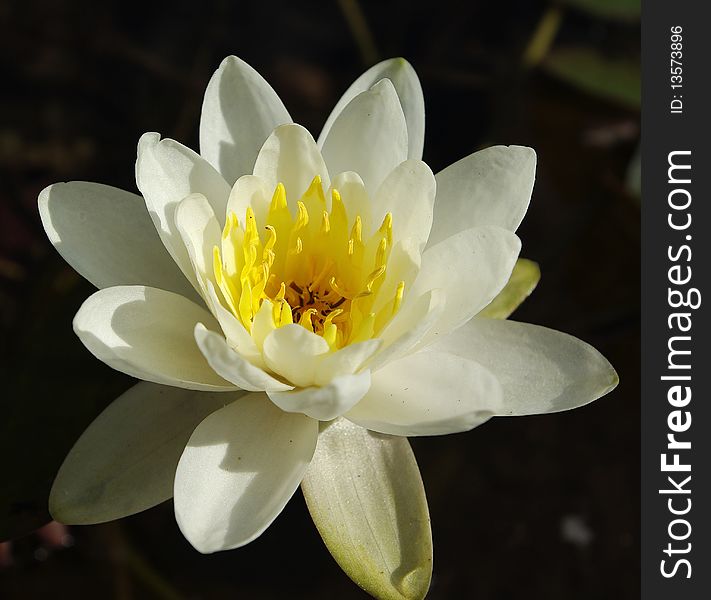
355,199
541,370
295,353
229,364
490,187
346,361
428,393
148,333
125,460
167,172
326,402
365,495
200,232
408,192
290,156
403,265
239,469
409,91
239,112
408,327
472,267
369,136
107,235
252,191
237,336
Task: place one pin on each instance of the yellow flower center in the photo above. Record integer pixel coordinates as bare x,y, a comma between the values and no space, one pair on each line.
315,270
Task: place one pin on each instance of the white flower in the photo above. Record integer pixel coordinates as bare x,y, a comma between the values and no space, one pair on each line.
337,278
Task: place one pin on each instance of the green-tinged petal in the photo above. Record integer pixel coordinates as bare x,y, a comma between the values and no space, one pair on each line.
524,279
125,461
366,497
540,370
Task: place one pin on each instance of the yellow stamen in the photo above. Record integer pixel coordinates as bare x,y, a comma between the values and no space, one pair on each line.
323,273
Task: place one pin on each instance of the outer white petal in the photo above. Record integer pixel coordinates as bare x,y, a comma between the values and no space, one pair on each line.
472,267
365,495
295,353
200,232
409,91
369,136
408,327
326,402
107,235
125,460
408,192
229,364
239,111
148,333
490,187
167,172
428,393
290,156
239,469
541,370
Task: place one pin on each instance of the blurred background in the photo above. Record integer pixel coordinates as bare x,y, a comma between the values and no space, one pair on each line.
533,507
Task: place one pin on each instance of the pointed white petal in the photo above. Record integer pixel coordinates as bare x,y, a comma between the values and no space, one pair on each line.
541,370
346,361
107,235
167,172
490,187
148,333
253,191
237,336
409,91
200,232
125,460
327,402
408,327
366,497
408,192
290,156
295,353
229,364
472,267
355,199
428,393
239,112
239,469
369,136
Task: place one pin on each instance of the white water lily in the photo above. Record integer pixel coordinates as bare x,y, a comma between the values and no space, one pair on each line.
283,298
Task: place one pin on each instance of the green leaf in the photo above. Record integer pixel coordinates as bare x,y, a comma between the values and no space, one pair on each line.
366,497
617,80
126,459
524,279
615,10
